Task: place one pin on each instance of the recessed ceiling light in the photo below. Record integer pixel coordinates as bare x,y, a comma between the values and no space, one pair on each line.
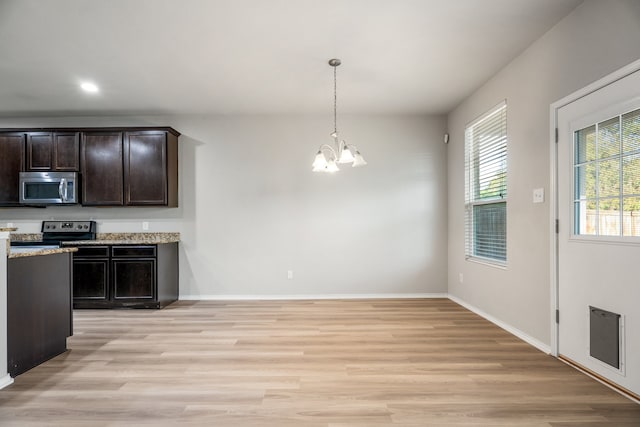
89,87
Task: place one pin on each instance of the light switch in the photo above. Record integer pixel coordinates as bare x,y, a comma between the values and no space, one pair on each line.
538,195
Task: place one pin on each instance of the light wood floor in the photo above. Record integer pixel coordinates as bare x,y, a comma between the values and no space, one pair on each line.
305,363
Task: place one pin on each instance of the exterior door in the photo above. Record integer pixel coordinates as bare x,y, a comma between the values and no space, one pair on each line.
598,208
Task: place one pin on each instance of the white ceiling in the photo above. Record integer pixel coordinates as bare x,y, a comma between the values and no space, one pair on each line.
258,56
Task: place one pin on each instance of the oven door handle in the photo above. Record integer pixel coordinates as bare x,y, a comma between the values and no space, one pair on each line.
62,189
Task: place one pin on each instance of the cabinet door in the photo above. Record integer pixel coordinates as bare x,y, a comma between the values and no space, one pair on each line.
134,279
91,279
145,168
66,151
39,151
101,167
12,147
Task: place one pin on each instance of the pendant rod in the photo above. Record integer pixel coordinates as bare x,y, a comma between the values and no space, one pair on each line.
335,101
334,63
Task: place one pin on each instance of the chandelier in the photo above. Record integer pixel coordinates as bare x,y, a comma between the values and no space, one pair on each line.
329,155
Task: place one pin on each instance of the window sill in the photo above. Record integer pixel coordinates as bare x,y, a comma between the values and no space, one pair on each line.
488,262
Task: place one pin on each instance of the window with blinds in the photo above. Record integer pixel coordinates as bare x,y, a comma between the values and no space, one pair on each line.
607,177
486,186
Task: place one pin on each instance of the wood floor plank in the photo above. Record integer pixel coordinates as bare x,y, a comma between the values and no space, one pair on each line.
326,363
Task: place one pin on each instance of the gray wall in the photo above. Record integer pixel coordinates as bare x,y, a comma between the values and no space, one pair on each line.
251,208
597,38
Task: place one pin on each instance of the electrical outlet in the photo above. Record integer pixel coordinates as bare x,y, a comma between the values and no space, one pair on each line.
10,225
461,277
145,225
538,195
289,274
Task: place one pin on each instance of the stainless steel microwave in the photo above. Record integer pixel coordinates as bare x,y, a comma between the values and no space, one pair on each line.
49,188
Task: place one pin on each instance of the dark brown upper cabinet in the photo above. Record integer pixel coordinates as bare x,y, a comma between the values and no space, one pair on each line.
12,147
101,169
39,151
53,151
132,166
150,168
66,151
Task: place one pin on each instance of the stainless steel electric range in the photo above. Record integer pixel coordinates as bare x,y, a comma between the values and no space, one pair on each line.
56,232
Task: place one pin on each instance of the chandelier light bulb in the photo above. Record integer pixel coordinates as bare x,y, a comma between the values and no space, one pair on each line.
358,160
320,162
345,155
332,166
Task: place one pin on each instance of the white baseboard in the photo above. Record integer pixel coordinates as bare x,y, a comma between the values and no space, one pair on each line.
515,331
5,381
306,297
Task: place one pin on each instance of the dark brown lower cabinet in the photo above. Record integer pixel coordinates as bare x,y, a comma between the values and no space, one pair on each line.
134,279
125,276
39,315
91,273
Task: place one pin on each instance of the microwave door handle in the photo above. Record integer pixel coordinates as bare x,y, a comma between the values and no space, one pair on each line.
62,189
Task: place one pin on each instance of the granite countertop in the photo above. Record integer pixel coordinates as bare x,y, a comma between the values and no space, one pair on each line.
27,251
101,239
110,238
128,239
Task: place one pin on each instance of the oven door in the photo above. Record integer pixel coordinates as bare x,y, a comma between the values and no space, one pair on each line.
49,188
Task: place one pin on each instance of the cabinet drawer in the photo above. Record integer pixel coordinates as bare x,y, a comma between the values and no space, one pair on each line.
92,251
133,251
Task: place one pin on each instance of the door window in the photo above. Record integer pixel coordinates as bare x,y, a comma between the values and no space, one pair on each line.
607,177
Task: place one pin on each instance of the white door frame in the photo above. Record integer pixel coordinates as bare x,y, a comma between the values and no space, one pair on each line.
553,208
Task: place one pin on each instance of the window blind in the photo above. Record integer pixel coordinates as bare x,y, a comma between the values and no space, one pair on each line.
486,186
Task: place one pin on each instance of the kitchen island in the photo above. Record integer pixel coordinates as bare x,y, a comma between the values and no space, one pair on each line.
35,305
5,378
39,313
